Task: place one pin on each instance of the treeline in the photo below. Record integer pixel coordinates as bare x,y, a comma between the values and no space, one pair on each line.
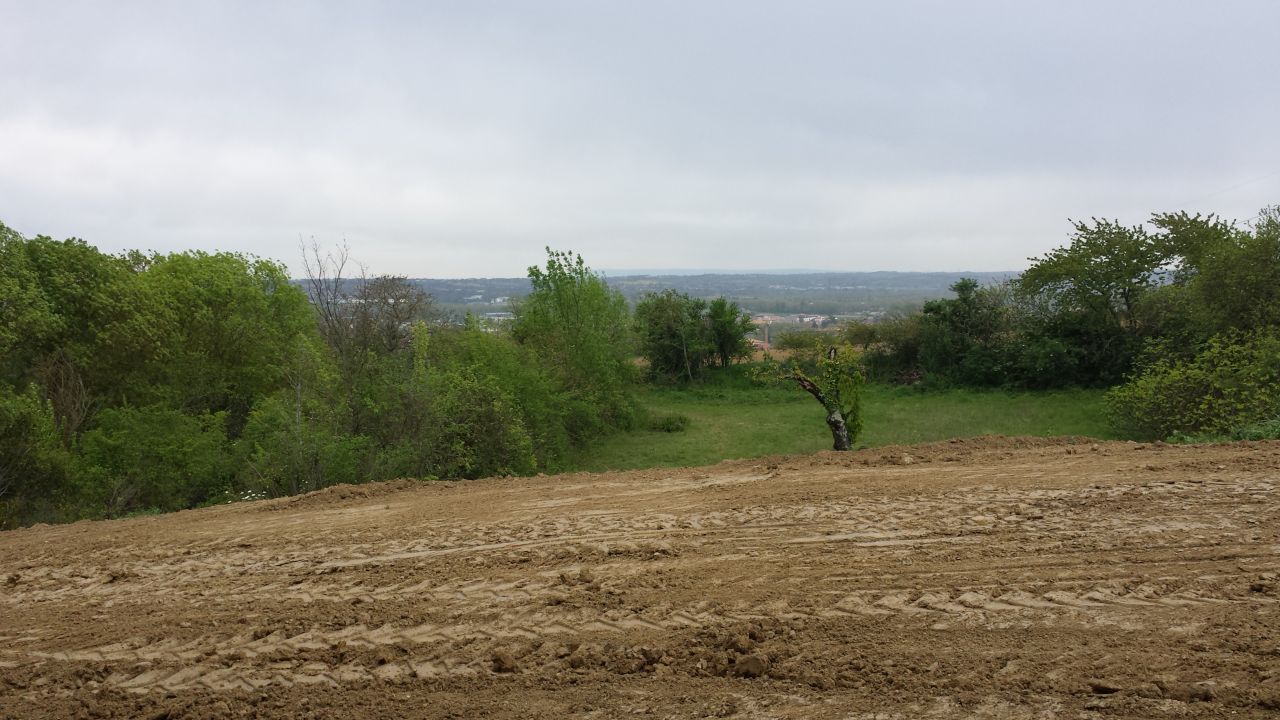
143,382
680,337
1180,316
146,382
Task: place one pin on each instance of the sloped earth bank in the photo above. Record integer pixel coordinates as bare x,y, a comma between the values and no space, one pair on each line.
993,578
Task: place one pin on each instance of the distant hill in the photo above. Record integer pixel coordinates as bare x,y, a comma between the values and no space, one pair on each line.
817,292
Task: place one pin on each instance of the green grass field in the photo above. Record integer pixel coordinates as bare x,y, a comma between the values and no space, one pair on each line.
735,420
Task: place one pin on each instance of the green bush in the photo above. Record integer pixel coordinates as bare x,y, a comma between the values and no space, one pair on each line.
154,458
289,450
1233,382
476,429
891,348
542,407
36,472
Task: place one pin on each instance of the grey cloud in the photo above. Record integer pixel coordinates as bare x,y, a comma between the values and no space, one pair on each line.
459,138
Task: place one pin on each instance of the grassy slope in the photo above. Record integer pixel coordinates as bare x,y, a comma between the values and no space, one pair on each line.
740,422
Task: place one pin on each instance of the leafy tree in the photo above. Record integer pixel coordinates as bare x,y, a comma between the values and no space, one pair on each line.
367,324
680,335
27,317
478,428
534,394
674,334
580,330
1104,271
36,471
229,324
1213,364
74,324
286,453
965,340
835,379
1096,288
296,439
729,327
1226,277
891,347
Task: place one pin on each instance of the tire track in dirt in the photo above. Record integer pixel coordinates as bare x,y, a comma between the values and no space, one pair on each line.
596,580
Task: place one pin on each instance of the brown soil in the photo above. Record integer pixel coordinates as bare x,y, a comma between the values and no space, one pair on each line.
992,578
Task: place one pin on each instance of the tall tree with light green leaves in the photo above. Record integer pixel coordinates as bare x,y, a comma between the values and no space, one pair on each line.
580,329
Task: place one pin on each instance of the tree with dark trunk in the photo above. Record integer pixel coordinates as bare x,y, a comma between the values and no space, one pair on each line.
835,379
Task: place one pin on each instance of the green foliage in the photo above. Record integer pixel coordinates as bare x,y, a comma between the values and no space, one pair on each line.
674,334
228,324
965,340
832,376
478,428
1211,365
36,471
1084,314
1234,381
1104,271
74,328
681,336
142,363
1264,430
1226,278
580,331
27,316
543,409
155,458
807,341
290,449
891,347
729,327
985,337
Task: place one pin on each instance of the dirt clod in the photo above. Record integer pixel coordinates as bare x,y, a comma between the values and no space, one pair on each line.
751,666
504,662
1103,687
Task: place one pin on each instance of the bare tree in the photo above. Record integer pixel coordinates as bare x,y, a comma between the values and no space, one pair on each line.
360,314
389,305
360,318
326,287
70,399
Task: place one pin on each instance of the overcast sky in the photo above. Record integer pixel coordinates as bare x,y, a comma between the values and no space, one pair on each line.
459,138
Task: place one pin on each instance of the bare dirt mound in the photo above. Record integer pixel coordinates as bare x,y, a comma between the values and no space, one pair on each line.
993,578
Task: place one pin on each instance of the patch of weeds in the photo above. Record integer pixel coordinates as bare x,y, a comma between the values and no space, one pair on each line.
671,423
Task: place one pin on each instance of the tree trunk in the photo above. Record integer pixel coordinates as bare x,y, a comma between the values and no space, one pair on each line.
839,430
835,421
688,369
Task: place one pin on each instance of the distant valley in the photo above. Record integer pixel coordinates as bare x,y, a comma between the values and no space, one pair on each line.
816,293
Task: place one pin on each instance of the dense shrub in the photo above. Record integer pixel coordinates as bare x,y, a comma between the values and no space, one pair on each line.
1232,382
156,458
289,448
542,408
36,471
